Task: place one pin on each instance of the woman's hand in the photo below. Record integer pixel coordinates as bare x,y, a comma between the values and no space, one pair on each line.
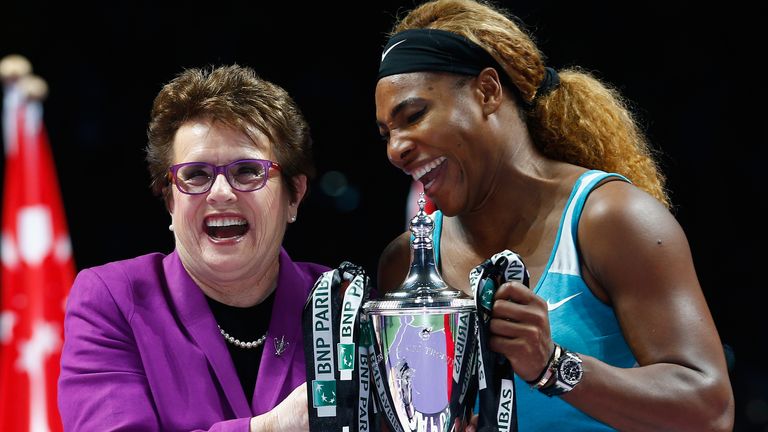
459,426
290,415
520,329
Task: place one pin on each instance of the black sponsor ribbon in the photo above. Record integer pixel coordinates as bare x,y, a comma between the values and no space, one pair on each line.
496,384
338,372
367,409
464,368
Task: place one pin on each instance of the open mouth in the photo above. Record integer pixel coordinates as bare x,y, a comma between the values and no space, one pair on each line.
225,228
427,174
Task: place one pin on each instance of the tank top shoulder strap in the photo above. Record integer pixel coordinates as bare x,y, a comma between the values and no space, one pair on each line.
437,217
565,258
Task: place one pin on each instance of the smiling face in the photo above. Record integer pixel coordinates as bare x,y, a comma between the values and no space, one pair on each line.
434,128
226,237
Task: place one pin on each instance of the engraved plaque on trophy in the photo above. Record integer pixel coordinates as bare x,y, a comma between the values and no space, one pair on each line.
424,343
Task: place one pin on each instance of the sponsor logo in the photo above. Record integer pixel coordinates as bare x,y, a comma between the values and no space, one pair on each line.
486,295
391,48
481,371
504,413
324,384
352,298
555,305
474,277
364,390
515,270
461,344
323,393
349,310
346,357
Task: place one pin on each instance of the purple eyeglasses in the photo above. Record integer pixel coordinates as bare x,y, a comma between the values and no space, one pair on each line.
244,175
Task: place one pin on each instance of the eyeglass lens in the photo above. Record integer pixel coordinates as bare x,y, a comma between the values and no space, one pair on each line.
244,176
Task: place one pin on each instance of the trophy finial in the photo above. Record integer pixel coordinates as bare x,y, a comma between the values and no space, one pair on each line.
422,226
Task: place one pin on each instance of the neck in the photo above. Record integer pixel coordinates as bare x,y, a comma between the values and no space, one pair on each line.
241,291
517,202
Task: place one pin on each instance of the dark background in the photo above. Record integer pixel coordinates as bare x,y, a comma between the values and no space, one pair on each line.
688,70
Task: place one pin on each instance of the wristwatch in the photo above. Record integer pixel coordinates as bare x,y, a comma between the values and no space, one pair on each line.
568,371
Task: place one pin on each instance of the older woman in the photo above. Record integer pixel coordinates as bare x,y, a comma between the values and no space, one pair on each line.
207,337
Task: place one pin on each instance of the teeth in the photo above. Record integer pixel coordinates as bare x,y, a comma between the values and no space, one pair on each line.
222,222
419,173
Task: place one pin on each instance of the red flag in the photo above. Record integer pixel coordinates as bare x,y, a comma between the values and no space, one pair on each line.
37,269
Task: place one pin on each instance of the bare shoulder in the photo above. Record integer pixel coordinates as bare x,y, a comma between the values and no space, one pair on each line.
617,205
625,233
393,263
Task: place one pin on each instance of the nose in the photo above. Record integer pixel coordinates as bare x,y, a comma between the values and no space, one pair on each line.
221,190
400,149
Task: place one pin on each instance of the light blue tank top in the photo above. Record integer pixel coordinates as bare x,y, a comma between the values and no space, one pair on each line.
578,320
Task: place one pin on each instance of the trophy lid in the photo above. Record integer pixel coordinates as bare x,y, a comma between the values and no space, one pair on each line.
423,287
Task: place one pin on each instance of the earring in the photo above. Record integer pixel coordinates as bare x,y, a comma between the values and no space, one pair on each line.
292,219
170,227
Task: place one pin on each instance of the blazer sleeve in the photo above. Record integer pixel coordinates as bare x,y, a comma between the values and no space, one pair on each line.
102,385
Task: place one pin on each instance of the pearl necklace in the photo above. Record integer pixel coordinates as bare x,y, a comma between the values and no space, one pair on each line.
237,342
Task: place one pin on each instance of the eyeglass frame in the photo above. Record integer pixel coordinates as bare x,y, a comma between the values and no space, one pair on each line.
222,169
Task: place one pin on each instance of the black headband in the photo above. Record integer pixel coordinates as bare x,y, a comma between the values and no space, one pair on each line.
433,50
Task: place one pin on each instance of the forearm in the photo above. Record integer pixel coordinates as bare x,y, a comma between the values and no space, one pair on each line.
290,415
661,396
262,423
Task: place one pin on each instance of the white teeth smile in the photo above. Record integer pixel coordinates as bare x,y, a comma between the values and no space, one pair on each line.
222,222
419,173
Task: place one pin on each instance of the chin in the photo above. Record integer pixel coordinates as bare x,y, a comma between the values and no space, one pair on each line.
447,210
222,267
232,258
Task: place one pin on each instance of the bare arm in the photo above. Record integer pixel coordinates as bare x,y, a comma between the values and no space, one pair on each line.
639,254
393,263
637,258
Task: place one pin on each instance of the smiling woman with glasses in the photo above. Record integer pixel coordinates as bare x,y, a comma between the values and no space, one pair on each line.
208,336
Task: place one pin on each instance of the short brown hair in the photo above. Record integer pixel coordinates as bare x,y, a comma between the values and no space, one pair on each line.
237,97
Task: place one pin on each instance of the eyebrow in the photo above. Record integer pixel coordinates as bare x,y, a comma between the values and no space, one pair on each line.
399,107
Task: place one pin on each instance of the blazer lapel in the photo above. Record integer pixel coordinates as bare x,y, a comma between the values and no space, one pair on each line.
283,349
196,317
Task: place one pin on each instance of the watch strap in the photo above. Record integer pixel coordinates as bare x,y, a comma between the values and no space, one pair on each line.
560,385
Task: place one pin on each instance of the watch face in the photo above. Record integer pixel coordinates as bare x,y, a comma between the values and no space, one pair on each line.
571,370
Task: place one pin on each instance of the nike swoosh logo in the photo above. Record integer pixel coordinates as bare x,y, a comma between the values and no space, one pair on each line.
390,48
553,306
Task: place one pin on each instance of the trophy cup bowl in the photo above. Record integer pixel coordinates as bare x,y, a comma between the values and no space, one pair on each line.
423,360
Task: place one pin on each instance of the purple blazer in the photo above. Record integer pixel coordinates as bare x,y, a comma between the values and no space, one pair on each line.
142,351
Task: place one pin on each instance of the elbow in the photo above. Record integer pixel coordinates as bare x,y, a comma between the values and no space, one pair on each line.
717,406
722,414
702,403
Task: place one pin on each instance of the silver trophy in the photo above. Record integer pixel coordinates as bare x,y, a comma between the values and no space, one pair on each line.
424,343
